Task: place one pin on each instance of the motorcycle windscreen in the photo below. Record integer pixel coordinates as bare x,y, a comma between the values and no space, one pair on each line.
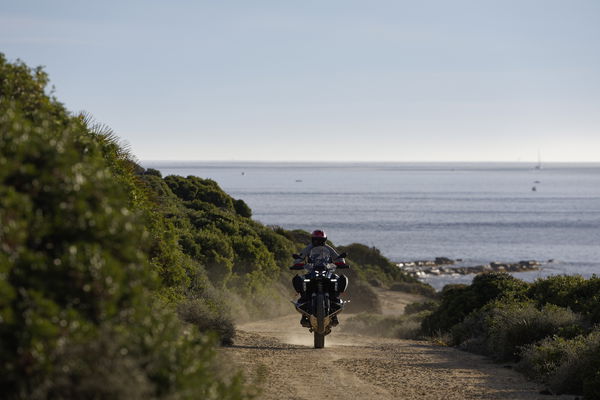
319,255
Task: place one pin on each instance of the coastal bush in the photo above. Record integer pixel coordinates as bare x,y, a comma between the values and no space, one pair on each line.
573,291
216,253
241,208
566,365
366,255
195,188
515,325
208,317
458,301
278,244
497,285
251,254
557,290
506,327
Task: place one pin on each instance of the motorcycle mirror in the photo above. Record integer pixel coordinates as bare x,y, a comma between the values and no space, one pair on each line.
342,255
296,255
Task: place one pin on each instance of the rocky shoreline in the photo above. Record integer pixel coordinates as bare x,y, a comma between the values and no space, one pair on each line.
446,266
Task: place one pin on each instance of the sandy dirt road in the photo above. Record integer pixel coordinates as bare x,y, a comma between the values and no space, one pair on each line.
359,367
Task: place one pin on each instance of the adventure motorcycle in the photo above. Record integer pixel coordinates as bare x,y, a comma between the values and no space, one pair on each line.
322,287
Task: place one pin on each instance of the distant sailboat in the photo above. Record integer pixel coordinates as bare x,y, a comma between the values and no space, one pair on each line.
539,163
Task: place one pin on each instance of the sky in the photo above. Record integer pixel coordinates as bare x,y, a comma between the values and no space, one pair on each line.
327,80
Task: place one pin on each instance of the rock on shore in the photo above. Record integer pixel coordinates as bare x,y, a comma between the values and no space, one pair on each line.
445,266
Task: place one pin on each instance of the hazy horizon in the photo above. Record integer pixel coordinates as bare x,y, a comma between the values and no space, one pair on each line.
535,162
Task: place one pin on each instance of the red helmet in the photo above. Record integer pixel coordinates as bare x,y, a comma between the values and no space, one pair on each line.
318,237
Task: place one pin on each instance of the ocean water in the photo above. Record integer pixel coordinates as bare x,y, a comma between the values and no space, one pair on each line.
478,212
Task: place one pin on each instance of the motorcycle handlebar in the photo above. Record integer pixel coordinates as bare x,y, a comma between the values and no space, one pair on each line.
338,266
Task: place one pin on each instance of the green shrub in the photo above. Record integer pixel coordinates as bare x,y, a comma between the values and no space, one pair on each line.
458,301
511,326
573,291
557,290
242,209
365,255
566,365
279,245
252,255
497,285
500,329
205,190
208,318
216,253
153,172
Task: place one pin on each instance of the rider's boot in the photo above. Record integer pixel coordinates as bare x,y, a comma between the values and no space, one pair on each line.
337,303
304,321
334,321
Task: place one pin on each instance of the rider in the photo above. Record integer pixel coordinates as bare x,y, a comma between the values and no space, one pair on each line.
318,238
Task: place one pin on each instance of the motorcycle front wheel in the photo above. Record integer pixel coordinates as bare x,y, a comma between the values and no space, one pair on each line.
319,341
320,314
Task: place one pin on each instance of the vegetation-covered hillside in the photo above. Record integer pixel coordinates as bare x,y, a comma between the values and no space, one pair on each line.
90,273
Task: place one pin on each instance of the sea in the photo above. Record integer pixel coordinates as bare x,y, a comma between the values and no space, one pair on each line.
476,212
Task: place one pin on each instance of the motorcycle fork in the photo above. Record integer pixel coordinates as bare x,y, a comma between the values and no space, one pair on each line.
320,289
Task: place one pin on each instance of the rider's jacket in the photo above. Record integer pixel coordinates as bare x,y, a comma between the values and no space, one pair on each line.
306,251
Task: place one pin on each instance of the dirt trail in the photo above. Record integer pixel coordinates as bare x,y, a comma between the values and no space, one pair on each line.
359,367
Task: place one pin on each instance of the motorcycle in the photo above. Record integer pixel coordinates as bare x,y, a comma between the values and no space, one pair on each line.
321,285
